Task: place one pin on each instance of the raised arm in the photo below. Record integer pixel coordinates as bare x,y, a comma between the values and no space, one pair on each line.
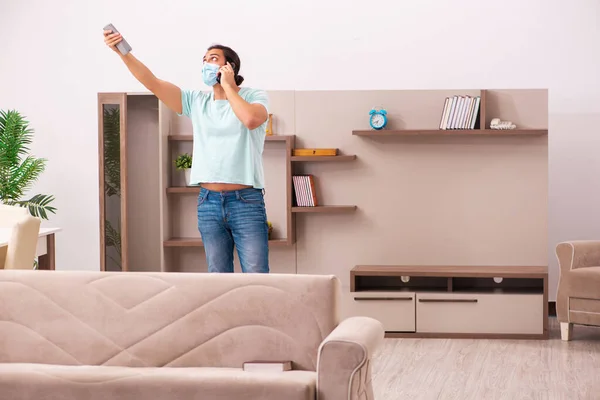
166,92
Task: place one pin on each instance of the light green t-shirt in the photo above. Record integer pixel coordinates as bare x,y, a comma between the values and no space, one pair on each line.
224,150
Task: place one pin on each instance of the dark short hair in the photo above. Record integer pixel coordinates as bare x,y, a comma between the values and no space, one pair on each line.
231,57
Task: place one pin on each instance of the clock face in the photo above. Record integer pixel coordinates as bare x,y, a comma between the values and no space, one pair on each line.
377,120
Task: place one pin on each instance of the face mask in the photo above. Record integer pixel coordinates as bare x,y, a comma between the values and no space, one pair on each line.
209,73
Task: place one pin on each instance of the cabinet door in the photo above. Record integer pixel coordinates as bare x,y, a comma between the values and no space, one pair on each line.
478,313
112,151
395,310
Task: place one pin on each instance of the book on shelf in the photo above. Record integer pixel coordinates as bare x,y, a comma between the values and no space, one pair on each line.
304,189
267,366
460,112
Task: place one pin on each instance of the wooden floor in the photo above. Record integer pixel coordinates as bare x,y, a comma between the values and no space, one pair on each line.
466,369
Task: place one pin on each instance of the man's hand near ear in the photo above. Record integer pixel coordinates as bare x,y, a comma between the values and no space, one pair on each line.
251,115
227,76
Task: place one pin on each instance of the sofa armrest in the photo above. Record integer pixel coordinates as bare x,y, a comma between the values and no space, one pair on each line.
344,359
578,254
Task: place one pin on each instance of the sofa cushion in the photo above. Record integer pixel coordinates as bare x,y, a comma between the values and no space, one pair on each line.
59,382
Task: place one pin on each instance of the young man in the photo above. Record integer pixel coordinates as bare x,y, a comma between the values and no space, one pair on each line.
229,129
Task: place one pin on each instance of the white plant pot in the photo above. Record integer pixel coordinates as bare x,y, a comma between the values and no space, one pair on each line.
187,173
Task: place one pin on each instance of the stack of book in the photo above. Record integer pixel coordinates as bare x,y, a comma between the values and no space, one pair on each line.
460,112
304,189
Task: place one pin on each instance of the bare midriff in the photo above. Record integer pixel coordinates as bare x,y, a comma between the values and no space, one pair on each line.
223,187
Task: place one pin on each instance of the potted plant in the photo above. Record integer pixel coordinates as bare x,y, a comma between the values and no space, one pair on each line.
19,169
184,162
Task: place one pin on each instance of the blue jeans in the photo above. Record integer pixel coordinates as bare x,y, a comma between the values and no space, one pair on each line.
236,217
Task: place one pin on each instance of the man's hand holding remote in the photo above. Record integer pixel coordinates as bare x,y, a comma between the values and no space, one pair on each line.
112,39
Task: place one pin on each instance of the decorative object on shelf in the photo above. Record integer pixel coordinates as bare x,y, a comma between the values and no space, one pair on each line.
498,124
460,112
270,125
378,118
314,152
270,225
18,169
184,162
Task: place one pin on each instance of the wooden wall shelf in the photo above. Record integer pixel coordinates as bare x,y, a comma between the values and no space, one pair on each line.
324,209
181,137
324,158
268,138
452,132
453,301
184,189
159,248
290,160
197,242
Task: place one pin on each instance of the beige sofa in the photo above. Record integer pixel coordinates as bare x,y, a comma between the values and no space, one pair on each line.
578,297
74,335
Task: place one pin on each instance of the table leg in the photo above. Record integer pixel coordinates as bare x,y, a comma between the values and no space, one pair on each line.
47,261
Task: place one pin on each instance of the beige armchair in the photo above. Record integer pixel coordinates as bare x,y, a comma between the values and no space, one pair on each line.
22,244
578,298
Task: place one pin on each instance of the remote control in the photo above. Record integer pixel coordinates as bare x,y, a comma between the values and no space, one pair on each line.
122,46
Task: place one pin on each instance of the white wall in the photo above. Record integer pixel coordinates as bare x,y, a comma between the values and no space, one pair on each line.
55,62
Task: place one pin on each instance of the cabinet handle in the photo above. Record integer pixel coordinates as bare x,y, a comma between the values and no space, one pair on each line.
383,298
448,300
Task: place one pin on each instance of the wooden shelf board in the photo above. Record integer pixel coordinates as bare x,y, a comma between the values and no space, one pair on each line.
278,138
183,189
324,209
180,137
272,138
197,242
452,271
451,132
427,335
324,158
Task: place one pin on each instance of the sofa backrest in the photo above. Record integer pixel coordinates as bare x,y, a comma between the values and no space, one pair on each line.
144,319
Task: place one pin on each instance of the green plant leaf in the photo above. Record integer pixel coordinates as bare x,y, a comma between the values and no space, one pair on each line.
38,205
184,161
19,170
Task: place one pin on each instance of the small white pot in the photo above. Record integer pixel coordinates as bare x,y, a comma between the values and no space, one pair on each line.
187,173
